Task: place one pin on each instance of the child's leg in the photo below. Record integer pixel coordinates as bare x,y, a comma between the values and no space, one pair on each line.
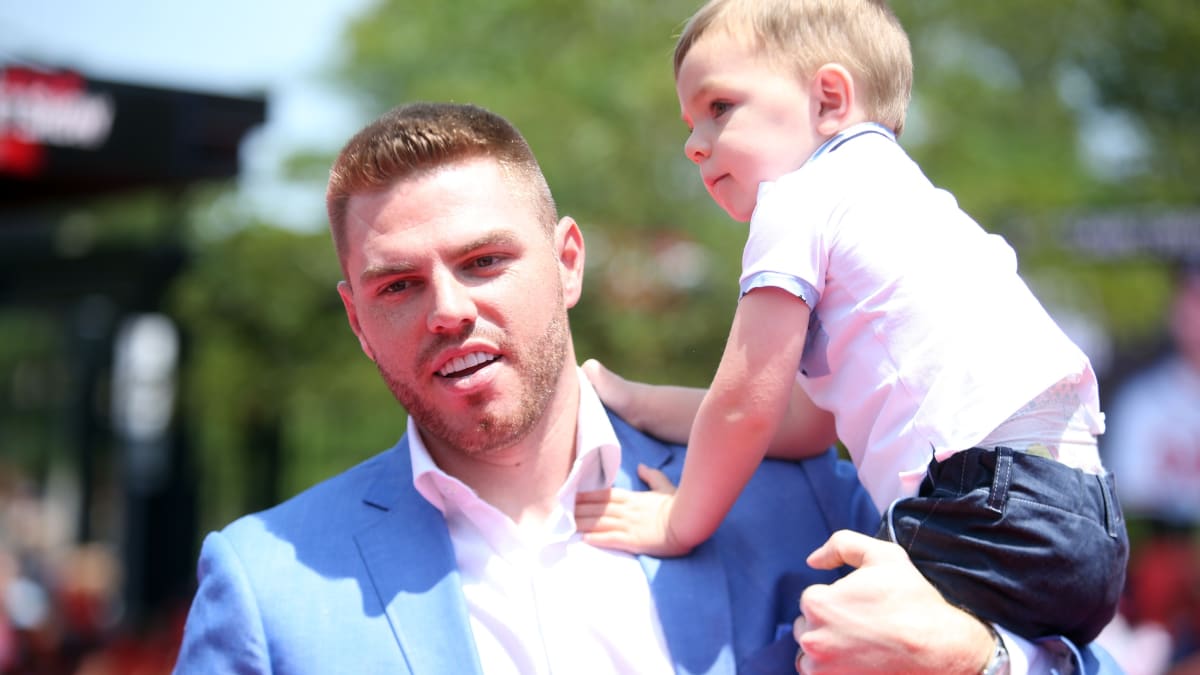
1020,540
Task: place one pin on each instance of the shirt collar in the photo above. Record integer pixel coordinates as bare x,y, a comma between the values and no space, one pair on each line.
860,129
596,464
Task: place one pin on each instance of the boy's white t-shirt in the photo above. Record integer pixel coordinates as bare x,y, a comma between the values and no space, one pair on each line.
923,338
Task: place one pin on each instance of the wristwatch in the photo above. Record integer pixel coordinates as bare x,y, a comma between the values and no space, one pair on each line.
998,664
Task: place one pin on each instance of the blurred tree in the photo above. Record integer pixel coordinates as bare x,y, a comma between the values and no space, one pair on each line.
1027,112
589,84
1038,115
280,394
1030,113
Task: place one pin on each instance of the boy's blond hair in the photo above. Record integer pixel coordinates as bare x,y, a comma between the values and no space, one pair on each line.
864,36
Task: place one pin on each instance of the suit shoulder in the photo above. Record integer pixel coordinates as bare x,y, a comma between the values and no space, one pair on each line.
331,505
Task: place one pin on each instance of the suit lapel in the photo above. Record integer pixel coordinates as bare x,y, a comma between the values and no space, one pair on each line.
410,559
691,593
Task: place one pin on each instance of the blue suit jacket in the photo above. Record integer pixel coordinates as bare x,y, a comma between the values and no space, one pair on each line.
357,574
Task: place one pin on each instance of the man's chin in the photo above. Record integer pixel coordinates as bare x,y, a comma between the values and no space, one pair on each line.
474,434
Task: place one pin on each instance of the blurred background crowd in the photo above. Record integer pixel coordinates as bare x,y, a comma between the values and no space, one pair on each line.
173,352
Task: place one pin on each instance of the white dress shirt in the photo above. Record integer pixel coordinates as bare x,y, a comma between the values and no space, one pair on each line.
540,600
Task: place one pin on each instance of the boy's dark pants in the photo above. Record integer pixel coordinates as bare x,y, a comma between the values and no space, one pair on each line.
1019,540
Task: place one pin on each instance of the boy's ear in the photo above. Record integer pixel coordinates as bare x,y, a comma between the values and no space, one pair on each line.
834,98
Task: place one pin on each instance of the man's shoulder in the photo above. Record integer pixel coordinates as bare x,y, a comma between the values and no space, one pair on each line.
330,506
824,488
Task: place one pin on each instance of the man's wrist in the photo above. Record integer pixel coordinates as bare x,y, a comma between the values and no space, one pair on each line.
998,661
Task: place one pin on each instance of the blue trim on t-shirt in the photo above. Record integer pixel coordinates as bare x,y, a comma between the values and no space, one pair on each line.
845,135
787,282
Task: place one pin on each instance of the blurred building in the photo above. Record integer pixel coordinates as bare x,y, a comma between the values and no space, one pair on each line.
91,447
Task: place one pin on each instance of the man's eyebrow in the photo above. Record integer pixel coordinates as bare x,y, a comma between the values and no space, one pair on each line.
495,238
378,271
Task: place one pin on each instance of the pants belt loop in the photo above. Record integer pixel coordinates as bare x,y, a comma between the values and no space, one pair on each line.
1110,512
1001,478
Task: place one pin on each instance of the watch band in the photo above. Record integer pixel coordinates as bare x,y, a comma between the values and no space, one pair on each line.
998,664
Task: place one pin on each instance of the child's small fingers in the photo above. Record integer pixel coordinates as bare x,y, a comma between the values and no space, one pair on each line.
594,497
594,369
610,540
657,480
591,511
587,523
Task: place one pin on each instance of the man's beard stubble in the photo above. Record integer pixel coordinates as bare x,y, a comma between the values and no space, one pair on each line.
538,369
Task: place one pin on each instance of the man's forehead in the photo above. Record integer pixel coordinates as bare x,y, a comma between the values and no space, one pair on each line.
431,194
440,213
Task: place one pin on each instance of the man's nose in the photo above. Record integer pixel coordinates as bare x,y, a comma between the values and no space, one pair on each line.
453,306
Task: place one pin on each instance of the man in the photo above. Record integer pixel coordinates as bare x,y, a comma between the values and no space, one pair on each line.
1153,445
456,551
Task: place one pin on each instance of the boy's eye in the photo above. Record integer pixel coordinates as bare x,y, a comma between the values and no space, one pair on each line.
719,108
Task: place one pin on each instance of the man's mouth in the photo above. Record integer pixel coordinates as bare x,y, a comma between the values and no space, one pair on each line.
461,366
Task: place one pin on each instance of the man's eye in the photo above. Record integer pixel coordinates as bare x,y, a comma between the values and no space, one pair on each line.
395,287
484,261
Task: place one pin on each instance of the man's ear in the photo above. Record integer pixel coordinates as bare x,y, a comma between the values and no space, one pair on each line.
834,99
568,243
347,295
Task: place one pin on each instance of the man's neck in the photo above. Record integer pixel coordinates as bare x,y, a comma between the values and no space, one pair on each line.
523,480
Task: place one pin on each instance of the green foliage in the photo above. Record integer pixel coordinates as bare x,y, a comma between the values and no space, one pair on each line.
1006,113
589,84
271,353
33,367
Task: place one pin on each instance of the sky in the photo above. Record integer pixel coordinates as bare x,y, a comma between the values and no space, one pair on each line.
274,48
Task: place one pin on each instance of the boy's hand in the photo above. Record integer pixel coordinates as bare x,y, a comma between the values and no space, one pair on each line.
613,390
636,522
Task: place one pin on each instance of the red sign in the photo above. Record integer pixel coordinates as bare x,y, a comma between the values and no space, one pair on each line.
40,108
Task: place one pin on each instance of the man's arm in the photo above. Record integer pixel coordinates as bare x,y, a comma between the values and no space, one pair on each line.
885,616
224,633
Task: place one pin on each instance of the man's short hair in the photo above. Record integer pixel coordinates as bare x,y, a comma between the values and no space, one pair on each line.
863,35
417,138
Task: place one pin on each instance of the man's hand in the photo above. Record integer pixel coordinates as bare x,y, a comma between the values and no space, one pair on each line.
882,617
637,522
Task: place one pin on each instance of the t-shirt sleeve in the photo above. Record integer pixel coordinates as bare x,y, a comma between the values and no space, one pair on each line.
785,245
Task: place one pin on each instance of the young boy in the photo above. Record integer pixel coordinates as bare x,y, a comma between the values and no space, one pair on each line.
970,415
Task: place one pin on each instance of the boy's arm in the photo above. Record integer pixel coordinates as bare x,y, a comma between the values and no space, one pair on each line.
805,431
663,411
668,412
741,412
737,418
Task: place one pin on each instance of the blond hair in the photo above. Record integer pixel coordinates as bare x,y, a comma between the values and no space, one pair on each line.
864,36
416,138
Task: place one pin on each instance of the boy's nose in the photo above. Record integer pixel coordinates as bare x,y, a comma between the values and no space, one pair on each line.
696,148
